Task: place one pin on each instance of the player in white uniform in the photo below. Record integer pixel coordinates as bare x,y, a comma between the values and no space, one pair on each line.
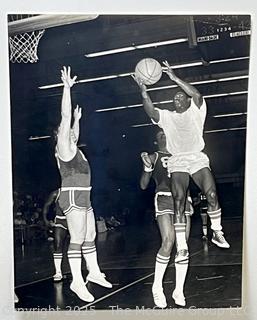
155,166
183,128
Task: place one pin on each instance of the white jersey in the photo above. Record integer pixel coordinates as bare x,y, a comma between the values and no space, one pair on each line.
184,131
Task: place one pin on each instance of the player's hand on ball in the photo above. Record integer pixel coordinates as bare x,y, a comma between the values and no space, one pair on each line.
146,159
139,81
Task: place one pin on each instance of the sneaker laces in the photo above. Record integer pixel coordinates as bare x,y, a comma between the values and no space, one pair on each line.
219,235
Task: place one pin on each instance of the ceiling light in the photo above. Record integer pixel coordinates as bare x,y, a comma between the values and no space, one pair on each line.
135,47
169,101
131,106
201,82
207,131
224,130
107,52
230,115
128,74
142,125
225,94
38,137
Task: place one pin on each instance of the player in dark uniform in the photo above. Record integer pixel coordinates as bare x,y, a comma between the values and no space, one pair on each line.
59,223
204,214
155,166
74,197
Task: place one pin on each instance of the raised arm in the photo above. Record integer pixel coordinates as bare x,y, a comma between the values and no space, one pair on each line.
63,136
148,170
188,88
151,111
77,116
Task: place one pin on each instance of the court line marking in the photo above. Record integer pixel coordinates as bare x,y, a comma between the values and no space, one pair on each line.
115,268
126,286
116,291
36,281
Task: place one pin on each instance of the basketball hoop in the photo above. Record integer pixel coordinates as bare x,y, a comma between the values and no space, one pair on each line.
23,46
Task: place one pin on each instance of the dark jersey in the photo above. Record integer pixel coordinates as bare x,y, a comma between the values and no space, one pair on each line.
76,172
160,174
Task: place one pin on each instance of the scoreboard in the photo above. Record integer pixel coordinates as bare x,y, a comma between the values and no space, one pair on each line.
215,27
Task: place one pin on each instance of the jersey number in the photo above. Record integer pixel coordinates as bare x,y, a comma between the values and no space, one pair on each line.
164,161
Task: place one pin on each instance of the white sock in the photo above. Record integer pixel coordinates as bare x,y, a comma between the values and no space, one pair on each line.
215,217
205,230
57,262
160,268
180,230
90,255
74,257
181,272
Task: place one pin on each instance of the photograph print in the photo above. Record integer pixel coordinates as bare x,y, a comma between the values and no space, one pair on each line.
128,160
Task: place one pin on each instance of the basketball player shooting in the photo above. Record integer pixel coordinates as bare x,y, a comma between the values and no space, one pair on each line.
184,132
74,198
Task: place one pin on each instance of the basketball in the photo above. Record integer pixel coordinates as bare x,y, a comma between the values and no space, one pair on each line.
148,70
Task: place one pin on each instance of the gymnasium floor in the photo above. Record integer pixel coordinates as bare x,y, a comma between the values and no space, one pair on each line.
127,256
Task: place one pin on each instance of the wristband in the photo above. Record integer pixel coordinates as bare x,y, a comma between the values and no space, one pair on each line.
146,169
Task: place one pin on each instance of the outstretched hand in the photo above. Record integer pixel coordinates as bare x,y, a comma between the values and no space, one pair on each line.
77,113
169,70
66,77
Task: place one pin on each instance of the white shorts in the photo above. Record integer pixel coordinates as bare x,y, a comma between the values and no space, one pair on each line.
188,162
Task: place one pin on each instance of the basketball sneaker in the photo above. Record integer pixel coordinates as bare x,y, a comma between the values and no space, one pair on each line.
219,240
159,297
99,278
181,255
57,277
178,298
81,291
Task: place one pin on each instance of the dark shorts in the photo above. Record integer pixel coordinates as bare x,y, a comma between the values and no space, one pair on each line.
74,198
164,204
61,222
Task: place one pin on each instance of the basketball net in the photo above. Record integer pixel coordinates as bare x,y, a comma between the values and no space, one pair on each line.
23,47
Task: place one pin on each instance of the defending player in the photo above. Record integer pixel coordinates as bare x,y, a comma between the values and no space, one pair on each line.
60,231
155,166
74,198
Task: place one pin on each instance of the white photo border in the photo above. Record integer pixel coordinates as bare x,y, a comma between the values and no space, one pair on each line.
249,305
